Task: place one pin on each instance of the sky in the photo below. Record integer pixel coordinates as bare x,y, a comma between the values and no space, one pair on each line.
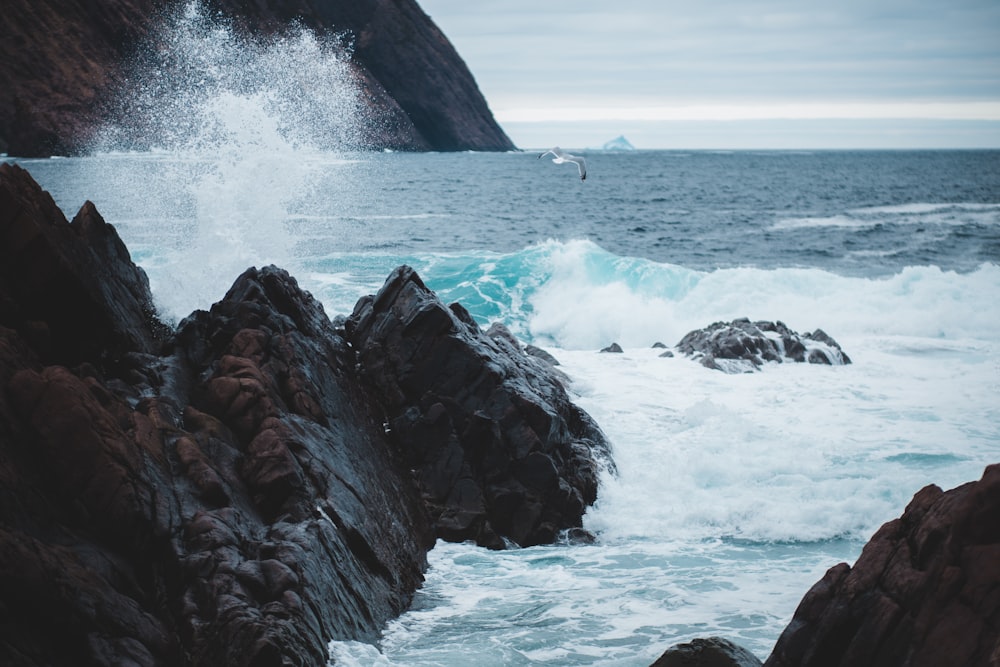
722,74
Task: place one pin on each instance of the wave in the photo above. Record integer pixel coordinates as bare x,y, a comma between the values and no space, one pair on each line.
950,214
576,295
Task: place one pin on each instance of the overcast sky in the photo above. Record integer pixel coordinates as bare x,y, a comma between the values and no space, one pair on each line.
732,74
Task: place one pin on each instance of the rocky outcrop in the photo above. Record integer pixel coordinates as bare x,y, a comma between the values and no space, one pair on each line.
62,59
742,346
925,590
228,493
498,450
711,652
218,496
71,290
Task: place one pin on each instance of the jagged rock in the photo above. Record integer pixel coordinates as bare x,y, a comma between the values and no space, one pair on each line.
925,590
228,493
499,450
72,290
63,58
539,353
614,348
743,346
226,497
331,534
711,652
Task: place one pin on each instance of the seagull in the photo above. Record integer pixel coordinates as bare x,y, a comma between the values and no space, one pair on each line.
561,157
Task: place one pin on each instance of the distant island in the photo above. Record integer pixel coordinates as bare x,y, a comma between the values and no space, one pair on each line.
619,143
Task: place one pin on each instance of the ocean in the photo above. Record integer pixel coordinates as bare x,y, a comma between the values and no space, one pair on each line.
734,493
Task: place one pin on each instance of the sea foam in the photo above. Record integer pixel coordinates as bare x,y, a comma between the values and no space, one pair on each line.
240,131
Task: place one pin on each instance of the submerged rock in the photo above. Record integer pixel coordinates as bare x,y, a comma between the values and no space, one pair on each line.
499,451
925,590
742,346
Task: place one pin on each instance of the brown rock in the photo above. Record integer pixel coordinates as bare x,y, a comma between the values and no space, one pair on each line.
710,652
925,590
162,503
73,292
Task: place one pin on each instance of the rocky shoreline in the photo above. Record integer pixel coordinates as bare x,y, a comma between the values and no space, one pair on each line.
261,479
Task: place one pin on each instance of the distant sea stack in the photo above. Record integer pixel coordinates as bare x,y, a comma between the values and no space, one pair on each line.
62,58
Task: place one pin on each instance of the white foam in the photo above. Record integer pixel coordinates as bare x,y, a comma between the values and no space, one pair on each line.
581,308
791,453
918,213
244,131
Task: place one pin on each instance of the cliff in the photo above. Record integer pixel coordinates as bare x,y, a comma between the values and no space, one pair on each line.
63,58
259,481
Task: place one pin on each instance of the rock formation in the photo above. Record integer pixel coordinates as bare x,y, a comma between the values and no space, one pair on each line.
498,449
227,493
924,592
711,652
743,346
62,58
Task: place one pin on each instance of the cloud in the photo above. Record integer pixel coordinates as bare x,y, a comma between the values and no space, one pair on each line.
668,52
656,61
726,112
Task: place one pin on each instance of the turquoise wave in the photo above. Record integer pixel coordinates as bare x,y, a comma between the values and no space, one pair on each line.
577,295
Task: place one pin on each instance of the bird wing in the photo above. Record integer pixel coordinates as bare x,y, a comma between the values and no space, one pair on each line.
581,163
560,156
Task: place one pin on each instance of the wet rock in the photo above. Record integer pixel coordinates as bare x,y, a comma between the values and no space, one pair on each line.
925,590
498,449
541,354
742,346
710,652
257,482
613,348
222,494
71,290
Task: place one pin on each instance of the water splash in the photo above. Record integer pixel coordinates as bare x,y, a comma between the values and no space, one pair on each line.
241,131
198,83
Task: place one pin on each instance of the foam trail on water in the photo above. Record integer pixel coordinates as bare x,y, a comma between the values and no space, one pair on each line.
242,129
590,298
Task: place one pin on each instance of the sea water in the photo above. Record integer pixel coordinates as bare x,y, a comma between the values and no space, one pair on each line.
734,493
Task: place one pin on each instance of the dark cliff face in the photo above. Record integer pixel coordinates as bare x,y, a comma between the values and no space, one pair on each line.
57,58
403,54
62,59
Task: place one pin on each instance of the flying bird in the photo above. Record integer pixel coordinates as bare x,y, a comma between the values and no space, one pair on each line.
561,156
